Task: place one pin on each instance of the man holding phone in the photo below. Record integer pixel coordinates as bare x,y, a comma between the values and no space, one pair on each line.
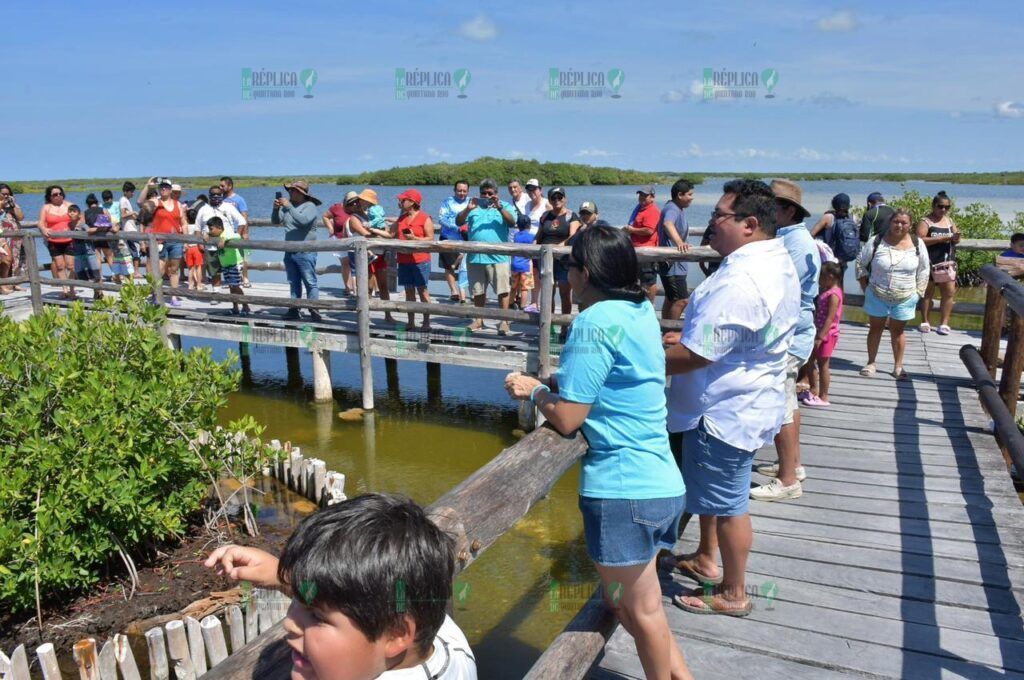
487,220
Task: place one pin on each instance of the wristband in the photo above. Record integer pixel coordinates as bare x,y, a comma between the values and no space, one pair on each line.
533,392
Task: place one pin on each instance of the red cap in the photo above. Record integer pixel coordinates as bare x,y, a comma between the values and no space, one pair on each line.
412,195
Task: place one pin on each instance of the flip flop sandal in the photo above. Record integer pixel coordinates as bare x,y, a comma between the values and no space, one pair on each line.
712,605
685,567
868,371
900,374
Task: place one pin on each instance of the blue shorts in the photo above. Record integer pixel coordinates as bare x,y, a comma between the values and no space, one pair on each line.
232,275
414,275
561,274
624,533
717,475
87,267
172,251
897,311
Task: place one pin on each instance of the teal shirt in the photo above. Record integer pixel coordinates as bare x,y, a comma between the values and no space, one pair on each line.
486,225
613,360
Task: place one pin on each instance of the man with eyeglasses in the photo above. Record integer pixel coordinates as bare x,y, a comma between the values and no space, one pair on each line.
487,220
726,399
234,222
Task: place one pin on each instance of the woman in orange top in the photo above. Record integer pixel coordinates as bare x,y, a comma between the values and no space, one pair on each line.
54,224
168,218
414,268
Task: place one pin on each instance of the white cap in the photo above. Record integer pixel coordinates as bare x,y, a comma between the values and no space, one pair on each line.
175,187
533,182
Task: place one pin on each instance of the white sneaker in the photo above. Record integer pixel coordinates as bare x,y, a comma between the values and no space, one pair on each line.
772,470
775,491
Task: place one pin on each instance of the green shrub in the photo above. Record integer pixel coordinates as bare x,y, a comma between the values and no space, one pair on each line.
95,442
976,220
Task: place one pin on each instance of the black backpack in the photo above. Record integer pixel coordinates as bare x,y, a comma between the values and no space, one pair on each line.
845,238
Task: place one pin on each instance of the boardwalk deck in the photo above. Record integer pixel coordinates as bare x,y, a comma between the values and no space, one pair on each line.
903,559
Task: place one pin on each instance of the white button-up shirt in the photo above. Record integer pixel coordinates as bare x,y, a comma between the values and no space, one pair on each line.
742,319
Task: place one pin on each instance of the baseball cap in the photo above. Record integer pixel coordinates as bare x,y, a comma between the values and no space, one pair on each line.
349,196
588,206
841,202
411,194
556,190
647,189
165,183
533,183
875,196
175,187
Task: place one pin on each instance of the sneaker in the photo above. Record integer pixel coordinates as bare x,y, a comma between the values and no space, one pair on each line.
775,491
804,396
531,309
291,315
315,315
772,470
943,330
814,401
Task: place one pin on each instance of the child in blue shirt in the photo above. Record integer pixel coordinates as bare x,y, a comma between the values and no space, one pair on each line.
522,270
1016,246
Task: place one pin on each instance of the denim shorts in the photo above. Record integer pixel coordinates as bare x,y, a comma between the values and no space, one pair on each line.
87,268
414,274
717,475
897,311
172,251
624,533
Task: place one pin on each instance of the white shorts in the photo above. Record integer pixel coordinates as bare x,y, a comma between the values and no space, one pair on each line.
793,365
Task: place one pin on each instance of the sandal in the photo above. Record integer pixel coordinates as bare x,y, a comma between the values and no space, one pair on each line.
711,604
684,566
943,330
868,371
900,374
926,327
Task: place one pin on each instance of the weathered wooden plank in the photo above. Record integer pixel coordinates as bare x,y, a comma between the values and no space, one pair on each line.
964,485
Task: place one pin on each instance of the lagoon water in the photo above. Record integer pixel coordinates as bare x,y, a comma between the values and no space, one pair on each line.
532,581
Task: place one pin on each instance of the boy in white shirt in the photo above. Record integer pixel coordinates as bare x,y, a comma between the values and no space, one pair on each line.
370,579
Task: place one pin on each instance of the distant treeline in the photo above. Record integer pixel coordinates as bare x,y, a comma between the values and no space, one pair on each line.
550,174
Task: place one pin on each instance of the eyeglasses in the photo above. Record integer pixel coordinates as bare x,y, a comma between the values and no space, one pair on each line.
717,216
556,197
56,193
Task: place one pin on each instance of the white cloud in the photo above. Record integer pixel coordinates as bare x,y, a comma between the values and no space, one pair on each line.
697,88
366,157
1009,109
840,22
802,154
436,153
596,153
516,153
479,28
672,96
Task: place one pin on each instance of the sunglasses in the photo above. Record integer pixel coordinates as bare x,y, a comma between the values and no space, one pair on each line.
944,207
556,197
56,193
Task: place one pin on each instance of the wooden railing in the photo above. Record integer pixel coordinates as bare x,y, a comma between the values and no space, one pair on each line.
1000,401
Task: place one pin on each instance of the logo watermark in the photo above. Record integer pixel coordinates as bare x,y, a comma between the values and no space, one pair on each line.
267,339
573,595
717,340
264,84
725,84
426,84
573,84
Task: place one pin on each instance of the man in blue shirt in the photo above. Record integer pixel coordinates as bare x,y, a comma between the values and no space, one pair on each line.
488,220
450,208
672,233
790,215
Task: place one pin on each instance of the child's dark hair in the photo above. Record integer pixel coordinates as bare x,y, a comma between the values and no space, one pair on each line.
374,558
1016,238
215,222
833,270
74,206
92,200
609,256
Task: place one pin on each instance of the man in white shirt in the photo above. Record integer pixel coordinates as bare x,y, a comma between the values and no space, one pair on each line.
129,223
519,197
727,397
234,223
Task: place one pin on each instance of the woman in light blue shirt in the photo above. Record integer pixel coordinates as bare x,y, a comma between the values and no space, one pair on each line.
611,383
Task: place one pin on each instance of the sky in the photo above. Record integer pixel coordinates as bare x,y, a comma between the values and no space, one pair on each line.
117,89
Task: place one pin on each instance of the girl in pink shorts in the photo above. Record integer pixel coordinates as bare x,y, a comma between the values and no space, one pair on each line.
827,316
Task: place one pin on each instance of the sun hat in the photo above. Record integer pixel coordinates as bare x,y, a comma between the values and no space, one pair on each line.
789,191
411,194
349,196
370,196
303,188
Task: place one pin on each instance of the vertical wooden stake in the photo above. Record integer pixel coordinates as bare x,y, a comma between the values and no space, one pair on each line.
236,628
213,636
107,662
32,262
125,658
19,665
196,648
363,316
1013,364
158,669
992,331
177,649
322,389
48,661
84,653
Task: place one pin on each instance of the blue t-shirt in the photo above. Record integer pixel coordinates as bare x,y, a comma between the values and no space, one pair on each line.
613,361
1010,253
238,202
521,265
673,213
486,225
807,260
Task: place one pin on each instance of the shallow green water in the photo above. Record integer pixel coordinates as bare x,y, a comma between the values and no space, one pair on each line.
421,443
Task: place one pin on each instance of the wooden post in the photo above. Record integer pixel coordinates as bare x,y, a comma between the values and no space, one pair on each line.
195,645
334,489
48,661
391,369
125,658
177,649
154,256
236,628
1013,364
319,480
363,315
18,665
252,628
32,262
322,390
433,382
84,653
533,418
107,662
213,636
295,466
173,341
291,359
158,669
992,330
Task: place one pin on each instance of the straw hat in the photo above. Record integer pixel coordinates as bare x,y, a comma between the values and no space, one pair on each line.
351,195
370,196
303,188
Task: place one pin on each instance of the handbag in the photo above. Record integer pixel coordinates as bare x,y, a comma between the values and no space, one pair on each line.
944,272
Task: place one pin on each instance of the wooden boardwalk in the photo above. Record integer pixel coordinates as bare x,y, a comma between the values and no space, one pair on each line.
904,558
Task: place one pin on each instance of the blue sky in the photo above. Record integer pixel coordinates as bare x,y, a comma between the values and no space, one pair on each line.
122,89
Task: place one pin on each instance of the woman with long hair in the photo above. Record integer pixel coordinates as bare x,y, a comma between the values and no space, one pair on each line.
611,385
54,224
940,235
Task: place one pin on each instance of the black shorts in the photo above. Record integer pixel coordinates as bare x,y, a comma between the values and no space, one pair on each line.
648,275
58,249
449,260
674,286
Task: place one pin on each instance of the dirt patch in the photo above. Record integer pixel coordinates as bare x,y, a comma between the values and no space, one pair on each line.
170,582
